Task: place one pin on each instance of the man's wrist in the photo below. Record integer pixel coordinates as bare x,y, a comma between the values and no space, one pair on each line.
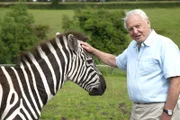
168,112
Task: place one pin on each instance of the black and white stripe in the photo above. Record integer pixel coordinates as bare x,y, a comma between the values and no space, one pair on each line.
27,87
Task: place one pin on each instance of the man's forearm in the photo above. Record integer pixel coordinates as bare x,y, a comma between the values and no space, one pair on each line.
173,94
105,57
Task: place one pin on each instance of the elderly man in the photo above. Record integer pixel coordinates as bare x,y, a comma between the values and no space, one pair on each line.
152,63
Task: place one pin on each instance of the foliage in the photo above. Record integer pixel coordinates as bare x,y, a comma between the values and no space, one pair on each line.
41,30
104,27
17,33
109,4
8,0
55,2
69,24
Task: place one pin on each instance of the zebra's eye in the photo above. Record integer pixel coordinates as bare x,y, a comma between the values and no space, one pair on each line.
89,61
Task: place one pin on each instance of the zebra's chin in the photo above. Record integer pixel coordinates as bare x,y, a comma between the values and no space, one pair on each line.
99,90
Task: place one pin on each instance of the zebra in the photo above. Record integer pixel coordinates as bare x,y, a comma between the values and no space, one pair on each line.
41,71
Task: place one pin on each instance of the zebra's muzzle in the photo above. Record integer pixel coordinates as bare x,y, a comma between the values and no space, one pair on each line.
99,90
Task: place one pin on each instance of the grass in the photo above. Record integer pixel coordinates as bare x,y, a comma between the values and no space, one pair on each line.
51,18
73,103
166,22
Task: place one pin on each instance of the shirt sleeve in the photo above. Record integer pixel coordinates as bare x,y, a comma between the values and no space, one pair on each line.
121,61
171,60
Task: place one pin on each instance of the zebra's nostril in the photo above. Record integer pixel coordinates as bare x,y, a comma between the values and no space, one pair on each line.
98,90
94,91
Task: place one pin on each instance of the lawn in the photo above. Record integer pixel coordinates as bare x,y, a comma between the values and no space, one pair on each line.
74,103
52,18
166,22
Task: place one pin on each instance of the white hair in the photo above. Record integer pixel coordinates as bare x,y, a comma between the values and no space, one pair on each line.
139,12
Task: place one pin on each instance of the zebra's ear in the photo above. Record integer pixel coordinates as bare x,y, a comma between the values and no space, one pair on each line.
72,42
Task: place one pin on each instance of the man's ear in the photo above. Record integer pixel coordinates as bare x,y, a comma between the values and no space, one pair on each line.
72,42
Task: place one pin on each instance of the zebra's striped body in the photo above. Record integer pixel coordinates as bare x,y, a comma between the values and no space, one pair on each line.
27,87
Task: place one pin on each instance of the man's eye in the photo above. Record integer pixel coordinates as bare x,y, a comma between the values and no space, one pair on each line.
130,29
138,26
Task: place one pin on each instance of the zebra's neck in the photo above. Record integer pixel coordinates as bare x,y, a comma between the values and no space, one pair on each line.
36,80
49,72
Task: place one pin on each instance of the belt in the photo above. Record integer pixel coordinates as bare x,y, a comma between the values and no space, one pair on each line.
147,103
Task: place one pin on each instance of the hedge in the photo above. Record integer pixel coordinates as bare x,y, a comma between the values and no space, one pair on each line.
107,5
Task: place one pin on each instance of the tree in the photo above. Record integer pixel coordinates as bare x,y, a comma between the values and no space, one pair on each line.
16,33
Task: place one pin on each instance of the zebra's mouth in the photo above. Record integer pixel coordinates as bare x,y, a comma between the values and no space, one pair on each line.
99,90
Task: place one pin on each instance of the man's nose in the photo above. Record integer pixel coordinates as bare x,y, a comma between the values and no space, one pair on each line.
135,30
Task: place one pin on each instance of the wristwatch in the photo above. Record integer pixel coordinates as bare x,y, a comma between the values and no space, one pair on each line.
168,112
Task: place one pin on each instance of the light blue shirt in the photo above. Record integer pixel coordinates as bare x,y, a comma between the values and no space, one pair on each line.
149,69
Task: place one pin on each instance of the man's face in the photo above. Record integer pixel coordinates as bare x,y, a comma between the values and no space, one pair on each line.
138,28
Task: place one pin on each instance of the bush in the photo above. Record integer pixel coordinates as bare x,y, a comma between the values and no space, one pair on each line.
18,33
41,30
109,4
105,28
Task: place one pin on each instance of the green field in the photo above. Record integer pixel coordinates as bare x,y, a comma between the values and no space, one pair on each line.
52,18
164,21
72,102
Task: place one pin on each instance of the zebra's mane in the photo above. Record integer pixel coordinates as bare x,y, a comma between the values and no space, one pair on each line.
44,47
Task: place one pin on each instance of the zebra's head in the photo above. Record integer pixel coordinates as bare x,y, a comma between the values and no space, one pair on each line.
81,67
